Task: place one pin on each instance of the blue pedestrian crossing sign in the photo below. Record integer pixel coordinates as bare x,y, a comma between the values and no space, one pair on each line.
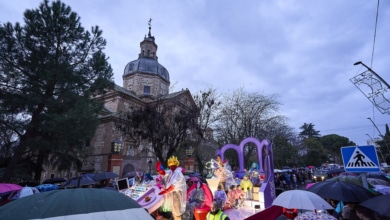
360,159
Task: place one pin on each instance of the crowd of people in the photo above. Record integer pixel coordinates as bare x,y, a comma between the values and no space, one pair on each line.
293,178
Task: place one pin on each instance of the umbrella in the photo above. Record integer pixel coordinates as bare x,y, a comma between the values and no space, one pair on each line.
377,175
54,180
46,187
72,204
348,179
194,174
194,179
272,212
79,181
341,191
7,187
313,215
347,174
25,191
129,174
309,185
301,199
379,204
377,178
105,175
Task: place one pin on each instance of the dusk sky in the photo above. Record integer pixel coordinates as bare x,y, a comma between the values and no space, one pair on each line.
303,51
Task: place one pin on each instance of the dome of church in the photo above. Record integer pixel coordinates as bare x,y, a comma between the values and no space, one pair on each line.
148,66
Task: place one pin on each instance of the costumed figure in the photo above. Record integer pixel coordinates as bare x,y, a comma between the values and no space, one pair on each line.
196,198
254,174
139,177
232,202
148,179
220,197
239,196
224,175
175,190
247,187
160,179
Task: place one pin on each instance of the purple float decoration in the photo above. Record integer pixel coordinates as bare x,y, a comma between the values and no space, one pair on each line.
266,165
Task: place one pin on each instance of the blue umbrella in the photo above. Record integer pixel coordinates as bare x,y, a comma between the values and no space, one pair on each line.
105,175
54,180
79,181
379,204
46,187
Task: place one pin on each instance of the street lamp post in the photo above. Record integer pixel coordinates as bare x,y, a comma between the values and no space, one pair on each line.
380,133
380,151
189,151
189,162
115,157
116,146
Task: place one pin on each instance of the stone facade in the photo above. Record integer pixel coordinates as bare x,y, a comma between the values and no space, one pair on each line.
144,81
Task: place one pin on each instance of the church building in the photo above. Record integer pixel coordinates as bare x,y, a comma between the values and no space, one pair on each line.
145,81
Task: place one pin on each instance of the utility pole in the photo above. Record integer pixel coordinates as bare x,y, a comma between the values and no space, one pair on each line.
380,134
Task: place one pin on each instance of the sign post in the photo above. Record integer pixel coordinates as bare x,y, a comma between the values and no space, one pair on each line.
360,159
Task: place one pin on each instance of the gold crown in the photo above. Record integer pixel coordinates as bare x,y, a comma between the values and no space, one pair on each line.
172,161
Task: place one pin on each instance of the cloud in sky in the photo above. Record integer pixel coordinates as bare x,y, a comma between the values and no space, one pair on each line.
301,50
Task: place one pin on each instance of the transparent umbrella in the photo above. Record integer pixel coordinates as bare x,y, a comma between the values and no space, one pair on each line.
301,199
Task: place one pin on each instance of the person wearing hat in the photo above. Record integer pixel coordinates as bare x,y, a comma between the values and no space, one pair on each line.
175,190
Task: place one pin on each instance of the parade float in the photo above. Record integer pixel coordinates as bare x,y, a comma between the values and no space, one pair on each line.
261,173
145,193
157,193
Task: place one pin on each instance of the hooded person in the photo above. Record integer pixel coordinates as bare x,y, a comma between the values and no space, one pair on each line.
175,190
246,186
216,213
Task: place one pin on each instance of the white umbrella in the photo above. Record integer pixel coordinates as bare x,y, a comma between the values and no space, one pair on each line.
25,191
301,199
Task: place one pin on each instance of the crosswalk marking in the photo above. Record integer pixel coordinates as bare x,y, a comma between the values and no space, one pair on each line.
359,159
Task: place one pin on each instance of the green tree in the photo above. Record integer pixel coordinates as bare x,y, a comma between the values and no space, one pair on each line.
285,154
316,154
308,131
384,145
50,68
332,144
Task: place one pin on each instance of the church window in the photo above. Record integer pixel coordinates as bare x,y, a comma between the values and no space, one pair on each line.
146,90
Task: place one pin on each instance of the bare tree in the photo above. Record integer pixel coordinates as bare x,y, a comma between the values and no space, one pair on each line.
208,105
164,124
247,114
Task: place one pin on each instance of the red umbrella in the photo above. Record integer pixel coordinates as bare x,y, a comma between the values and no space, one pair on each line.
7,187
